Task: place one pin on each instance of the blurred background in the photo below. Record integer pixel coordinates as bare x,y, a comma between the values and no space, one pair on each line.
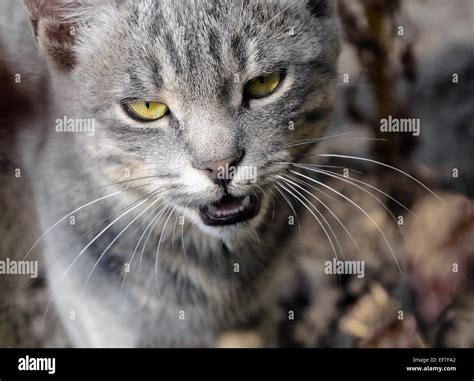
404,59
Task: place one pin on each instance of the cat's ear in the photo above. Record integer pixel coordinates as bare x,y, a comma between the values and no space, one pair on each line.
55,30
321,8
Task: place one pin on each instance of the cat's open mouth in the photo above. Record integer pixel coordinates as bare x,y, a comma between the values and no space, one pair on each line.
230,210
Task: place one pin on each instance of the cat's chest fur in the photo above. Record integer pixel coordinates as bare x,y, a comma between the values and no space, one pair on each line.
179,296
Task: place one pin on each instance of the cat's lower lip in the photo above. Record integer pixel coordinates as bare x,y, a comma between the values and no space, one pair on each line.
230,210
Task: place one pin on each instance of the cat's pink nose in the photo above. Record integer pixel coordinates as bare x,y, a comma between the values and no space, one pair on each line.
220,171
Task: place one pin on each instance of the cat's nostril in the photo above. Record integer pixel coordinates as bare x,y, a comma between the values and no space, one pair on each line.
215,166
220,171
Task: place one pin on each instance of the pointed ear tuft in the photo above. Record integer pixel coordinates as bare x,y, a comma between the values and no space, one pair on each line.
54,30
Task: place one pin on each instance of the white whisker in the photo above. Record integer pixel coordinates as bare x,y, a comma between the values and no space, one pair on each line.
82,252
290,184
362,210
66,216
153,217
314,140
174,229
182,242
111,243
158,251
331,212
314,215
387,166
291,207
341,177
158,217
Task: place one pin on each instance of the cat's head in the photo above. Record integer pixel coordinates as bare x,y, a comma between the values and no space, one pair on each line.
205,95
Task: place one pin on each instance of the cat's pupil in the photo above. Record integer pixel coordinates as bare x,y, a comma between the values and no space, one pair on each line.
262,80
147,104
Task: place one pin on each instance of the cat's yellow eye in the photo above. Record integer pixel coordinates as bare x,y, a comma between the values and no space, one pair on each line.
262,86
146,111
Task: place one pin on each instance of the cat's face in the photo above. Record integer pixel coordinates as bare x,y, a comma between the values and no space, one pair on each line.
204,95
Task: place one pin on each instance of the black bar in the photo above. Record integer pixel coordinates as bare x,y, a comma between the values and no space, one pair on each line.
295,364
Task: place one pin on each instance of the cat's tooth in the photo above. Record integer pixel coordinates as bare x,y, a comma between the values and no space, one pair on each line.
212,209
218,213
241,208
246,201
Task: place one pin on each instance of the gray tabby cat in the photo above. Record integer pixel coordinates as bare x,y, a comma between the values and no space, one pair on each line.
153,115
